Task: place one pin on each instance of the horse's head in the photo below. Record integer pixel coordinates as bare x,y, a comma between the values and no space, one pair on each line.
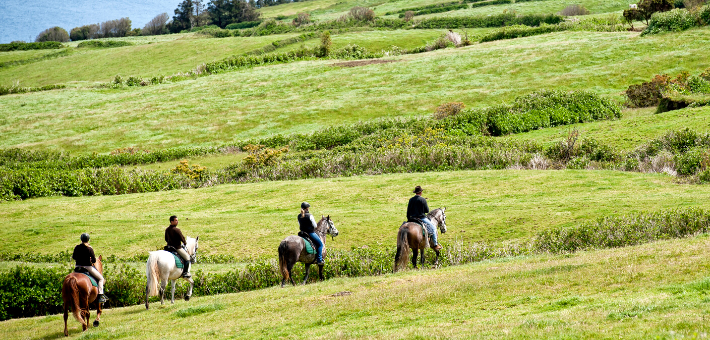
192,248
330,228
439,215
99,265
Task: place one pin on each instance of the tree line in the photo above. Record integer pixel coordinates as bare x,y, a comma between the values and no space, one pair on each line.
188,14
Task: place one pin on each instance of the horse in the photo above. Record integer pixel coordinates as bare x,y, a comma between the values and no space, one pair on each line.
161,267
410,235
78,294
293,249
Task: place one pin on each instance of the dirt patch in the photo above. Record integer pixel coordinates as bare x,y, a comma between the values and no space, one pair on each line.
364,62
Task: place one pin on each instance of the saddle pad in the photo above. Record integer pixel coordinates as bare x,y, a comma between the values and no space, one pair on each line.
309,246
178,261
91,278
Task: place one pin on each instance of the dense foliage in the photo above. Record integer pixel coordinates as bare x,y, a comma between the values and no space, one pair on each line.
22,46
104,43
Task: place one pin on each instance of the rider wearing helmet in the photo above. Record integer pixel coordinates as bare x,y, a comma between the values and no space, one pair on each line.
308,226
175,239
85,258
417,209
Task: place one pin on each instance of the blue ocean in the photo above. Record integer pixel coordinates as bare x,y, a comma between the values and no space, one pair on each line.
25,19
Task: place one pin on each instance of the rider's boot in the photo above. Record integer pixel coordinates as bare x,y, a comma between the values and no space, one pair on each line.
102,298
438,247
320,262
186,273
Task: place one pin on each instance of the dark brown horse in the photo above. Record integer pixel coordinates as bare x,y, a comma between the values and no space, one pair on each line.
78,293
293,249
410,235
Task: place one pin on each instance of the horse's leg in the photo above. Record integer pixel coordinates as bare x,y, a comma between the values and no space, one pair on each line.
147,289
308,270
422,257
172,292
98,313
85,313
189,290
289,267
66,315
414,258
320,272
436,261
163,283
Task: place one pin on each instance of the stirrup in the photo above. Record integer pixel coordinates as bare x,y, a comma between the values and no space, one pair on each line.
102,298
187,275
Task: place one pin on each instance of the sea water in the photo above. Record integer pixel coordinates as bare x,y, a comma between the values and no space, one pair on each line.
24,19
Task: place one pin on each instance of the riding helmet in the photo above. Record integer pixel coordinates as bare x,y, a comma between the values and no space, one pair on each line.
84,237
305,205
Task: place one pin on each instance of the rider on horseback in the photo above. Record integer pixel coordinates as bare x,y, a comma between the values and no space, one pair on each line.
417,210
175,239
308,226
84,257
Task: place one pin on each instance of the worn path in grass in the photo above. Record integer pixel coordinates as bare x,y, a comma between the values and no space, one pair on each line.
657,290
305,96
249,220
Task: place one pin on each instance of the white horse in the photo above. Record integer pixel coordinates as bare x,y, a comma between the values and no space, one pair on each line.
161,267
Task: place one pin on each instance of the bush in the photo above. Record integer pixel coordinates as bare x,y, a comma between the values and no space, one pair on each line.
704,16
23,46
692,161
53,34
519,31
302,19
500,20
104,43
672,21
84,32
362,14
241,25
648,93
26,291
448,110
574,10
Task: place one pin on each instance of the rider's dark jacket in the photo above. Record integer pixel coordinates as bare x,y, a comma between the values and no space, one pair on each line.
83,255
417,207
174,237
306,223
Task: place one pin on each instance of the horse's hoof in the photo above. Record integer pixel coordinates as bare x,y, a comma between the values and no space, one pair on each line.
187,298
96,323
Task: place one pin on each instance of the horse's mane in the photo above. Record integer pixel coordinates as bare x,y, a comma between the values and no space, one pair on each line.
190,243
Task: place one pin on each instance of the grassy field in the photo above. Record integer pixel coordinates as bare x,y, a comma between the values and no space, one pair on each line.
305,96
249,220
540,7
653,291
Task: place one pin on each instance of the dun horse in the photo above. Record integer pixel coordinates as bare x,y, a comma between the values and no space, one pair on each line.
78,294
293,249
161,267
411,235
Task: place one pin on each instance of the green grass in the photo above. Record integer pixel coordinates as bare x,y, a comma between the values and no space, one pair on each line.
140,266
305,96
540,7
380,40
653,291
249,220
146,60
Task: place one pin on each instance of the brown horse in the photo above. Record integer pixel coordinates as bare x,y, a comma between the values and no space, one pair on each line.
293,249
78,293
410,235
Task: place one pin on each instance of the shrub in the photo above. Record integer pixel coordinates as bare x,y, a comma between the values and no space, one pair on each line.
438,44
408,15
704,16
671,21
362,14
301,19
574,10
22,46
519,31
648,93
325,44
241,25
195,171
26,291
104,43
649,7
84,32
448,110
631,15
53,34
692,161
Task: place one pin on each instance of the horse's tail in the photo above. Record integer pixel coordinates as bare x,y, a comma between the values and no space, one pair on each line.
403,251
282,261
152,275
70,291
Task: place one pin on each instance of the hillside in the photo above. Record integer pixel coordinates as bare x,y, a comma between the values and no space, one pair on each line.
577,207
656,290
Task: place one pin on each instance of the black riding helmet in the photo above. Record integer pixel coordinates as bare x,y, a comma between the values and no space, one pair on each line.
84,237
305,205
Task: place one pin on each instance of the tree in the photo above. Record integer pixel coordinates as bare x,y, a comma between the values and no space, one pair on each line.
200,16
84,32
631,15
156,25
114,28
648,7
225,12
55,33
182,20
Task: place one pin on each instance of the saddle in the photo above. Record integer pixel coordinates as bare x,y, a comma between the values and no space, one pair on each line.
182,264
86,272
425,233
309,242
